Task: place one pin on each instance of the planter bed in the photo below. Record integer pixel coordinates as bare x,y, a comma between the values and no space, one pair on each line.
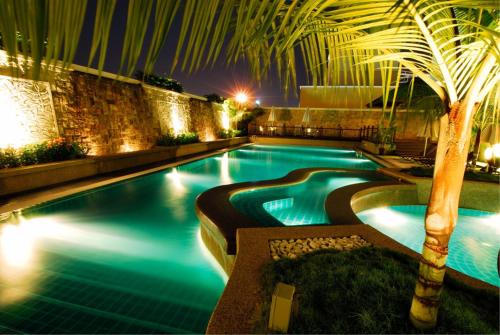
22,179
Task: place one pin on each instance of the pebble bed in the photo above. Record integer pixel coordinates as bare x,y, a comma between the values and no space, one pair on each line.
292,248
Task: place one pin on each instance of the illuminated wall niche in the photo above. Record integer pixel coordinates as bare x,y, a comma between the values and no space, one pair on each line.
26,112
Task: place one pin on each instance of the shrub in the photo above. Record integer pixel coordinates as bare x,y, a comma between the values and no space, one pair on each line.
185,138
158,81
9,158
249,117
54,150
230,133
213,97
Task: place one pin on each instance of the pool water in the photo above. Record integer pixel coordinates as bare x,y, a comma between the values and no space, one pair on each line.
474,244
127,258
298,204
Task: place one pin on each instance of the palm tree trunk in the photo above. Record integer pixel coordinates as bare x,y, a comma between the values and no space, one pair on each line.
442,211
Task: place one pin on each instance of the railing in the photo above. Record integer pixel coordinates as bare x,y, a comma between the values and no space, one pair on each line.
371,133
336,133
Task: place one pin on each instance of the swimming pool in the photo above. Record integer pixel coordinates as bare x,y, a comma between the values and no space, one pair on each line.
473,247
127,258
294,205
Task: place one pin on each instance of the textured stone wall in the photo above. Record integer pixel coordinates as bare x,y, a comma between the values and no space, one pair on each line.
26,112
170,109
205,119
345,118
113,116
109,116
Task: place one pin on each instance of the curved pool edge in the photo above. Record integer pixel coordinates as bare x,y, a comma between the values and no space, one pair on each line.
244,257
220,220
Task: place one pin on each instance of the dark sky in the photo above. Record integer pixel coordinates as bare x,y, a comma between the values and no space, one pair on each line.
220,79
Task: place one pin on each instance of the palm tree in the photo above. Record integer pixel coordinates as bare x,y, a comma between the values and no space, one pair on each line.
452,45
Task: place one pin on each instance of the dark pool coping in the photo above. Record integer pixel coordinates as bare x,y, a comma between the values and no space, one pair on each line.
218,215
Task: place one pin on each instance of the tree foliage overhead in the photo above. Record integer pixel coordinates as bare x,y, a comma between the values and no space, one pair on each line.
441,41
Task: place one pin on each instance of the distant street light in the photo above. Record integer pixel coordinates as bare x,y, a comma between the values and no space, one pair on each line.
241,97
257,102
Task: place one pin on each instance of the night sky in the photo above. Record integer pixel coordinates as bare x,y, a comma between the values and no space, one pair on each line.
220,79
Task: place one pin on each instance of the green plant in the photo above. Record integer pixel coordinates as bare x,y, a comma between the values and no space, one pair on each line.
368,291
9,158
58,149
229,133
247,118
188,138
213,97
158,81
170,139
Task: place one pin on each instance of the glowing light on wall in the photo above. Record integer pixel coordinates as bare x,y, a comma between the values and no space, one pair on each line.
127,148
177,125
26,112
225,120
13,130
208,255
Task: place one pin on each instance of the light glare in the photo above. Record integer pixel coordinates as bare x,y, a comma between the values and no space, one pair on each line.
241,97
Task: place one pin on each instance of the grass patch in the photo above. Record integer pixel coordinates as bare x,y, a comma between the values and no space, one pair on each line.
369,290
469,175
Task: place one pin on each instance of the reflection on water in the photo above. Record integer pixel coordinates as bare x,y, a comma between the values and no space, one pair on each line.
473,247
224,169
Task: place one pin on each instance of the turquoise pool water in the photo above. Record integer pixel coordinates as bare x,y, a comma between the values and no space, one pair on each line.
473,247
126,258
299,204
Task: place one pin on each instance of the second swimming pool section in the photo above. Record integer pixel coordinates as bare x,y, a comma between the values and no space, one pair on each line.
474,245
127,258
302,203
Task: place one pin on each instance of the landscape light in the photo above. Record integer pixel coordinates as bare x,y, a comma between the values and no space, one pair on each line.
488,154
496,150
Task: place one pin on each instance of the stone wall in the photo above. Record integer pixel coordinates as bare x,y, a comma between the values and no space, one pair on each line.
108,116
205,119
346,118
